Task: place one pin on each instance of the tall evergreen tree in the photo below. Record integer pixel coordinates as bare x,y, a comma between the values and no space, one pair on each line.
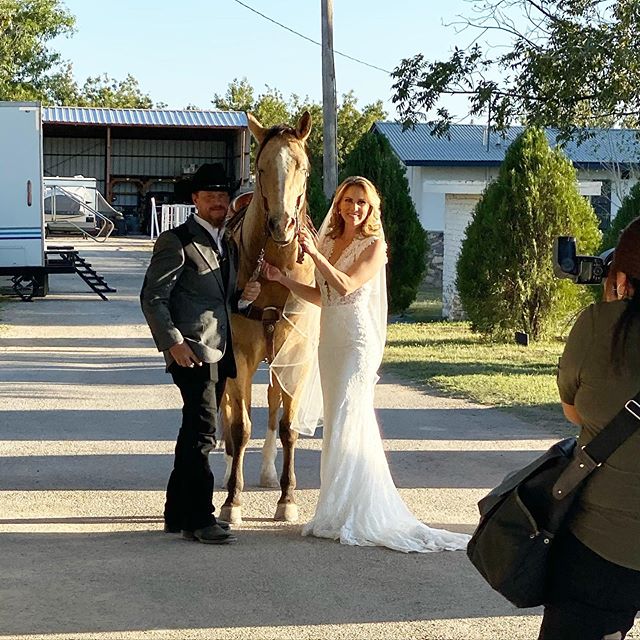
505,271
373,158
628,211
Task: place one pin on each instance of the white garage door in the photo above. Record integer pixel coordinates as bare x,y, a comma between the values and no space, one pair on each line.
458,211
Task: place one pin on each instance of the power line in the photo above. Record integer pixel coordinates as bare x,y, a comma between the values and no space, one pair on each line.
283,26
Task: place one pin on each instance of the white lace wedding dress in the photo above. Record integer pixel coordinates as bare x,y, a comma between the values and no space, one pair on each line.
359,503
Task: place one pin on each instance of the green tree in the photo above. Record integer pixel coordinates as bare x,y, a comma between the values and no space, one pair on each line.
272,108
238,97
354,123
103,91
26,60
373,158
505,273
568,63
629,210
30,70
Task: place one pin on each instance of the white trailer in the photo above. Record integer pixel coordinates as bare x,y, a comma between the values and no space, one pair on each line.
21,204
24,255
69,205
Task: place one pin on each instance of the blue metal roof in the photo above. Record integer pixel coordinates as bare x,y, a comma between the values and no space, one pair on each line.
144,117
467,145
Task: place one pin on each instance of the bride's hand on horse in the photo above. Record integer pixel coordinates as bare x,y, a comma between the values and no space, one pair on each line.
270,272
307,242
251,291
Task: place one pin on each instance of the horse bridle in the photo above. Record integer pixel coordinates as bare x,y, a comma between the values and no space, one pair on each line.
265,204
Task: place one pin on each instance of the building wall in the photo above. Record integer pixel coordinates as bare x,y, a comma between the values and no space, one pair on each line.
428,193
75,157
458,214
162,158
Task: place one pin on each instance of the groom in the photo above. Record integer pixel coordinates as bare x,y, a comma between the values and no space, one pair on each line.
187,298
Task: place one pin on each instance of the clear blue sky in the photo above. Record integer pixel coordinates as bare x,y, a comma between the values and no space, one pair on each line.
184,52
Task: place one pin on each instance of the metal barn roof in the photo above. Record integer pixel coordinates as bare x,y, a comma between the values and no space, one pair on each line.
467,145
144,117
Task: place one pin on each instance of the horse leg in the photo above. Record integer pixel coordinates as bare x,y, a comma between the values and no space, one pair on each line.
237,435
268,473
287,508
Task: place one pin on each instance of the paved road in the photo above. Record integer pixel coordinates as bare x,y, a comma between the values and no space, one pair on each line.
88,420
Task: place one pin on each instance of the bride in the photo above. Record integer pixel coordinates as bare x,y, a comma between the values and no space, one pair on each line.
359,503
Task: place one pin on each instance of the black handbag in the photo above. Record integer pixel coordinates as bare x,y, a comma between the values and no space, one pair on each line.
520,517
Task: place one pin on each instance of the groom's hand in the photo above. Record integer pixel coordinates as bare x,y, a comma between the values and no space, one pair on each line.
251,291
270,272
184,356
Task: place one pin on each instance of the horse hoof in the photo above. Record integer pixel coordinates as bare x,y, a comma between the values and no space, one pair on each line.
287,512
233,515
269,480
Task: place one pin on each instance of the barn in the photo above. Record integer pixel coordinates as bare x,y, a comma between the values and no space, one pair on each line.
136,154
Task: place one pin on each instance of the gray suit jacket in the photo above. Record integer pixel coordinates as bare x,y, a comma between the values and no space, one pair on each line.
184,295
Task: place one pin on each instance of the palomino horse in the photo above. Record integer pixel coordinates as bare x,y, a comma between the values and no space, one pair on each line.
268,231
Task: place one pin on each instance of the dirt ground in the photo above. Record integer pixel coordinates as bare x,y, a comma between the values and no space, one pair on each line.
88,420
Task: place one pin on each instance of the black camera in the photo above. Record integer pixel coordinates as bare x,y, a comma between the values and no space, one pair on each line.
581,269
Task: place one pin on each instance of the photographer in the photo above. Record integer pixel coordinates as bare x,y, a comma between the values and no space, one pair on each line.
594,590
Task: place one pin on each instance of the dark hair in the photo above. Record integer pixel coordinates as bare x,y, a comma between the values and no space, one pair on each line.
626,259
630,317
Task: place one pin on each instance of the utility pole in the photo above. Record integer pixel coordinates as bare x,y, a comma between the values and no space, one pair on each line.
329,103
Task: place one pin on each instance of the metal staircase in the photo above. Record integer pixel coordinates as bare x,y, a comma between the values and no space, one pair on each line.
30,282
67,260
91,277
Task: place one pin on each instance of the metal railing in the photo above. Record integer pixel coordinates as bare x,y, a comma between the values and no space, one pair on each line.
107,225
168,216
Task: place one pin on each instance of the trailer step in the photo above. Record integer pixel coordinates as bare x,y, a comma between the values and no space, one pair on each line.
71,258
91,277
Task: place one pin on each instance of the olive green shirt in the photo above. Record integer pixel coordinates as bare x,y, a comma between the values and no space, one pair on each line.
608,512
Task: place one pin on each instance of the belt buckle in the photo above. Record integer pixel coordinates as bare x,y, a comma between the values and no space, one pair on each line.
635,412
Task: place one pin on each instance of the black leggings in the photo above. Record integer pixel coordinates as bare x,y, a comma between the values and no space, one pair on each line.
590,598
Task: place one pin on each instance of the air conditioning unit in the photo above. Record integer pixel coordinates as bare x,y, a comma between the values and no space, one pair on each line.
189,169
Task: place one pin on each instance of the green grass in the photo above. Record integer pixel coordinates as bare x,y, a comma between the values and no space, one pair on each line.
426,308
449,357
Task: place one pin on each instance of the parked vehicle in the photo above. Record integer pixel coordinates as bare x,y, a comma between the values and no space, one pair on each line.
74,205
25,256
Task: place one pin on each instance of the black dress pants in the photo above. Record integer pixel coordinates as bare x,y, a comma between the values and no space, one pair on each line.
189,500
590,597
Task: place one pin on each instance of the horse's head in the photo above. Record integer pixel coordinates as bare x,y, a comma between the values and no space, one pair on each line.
282,168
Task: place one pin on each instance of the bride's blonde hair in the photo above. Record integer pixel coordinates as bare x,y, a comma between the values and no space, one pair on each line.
372,225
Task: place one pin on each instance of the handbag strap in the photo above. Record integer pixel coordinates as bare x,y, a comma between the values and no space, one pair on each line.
588,458
623,425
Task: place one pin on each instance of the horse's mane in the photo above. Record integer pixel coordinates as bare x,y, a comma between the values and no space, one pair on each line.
277,130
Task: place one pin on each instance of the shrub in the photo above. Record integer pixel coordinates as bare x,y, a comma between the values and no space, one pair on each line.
628,211
318,204
505,272
373,158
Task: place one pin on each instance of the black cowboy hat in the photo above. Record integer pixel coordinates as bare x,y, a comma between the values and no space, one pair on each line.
213,177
